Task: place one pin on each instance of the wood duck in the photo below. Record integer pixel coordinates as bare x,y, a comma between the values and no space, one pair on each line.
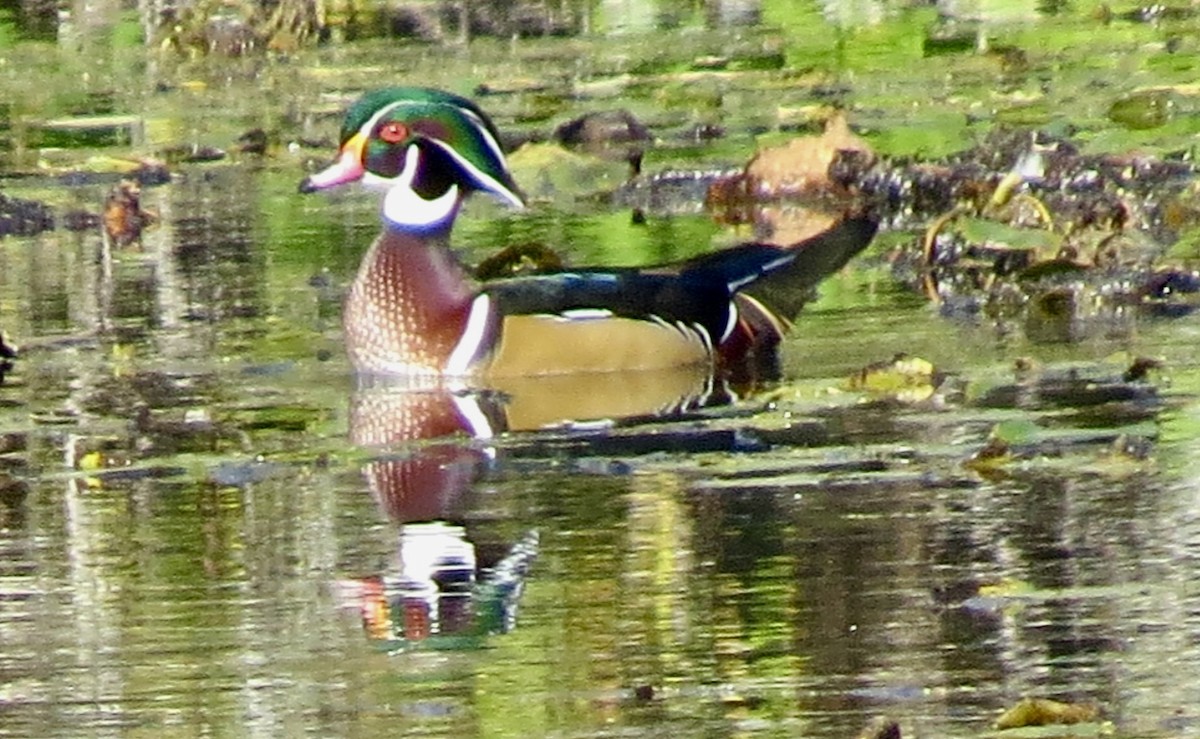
414,311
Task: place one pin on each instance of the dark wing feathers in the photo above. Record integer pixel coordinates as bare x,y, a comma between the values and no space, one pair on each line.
785,291
697,291
736,266
827,252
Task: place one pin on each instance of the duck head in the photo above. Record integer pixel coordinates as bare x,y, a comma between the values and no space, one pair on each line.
425,149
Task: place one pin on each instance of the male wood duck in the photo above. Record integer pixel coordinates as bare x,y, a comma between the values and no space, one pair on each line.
413,310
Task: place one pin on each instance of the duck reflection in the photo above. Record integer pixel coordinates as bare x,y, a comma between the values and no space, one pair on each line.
436,588
425,481
434,445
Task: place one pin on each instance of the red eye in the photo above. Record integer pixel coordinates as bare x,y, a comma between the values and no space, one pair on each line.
393,132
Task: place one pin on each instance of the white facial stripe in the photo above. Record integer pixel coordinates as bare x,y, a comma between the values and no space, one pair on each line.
490,183
468,348
492,143
370,124
404,207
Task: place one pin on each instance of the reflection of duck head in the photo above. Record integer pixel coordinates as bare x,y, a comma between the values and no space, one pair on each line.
423,482
434,587
428,469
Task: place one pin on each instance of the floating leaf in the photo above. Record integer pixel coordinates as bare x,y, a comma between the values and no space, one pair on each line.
1052,268
906,378
995,453
1006,587
1142,109
999,235
1043,712
91,461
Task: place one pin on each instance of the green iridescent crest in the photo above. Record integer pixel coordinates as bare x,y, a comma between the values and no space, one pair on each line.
465,144
367,106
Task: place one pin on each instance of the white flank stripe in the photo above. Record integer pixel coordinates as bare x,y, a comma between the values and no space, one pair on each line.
584,314
733,319
467,349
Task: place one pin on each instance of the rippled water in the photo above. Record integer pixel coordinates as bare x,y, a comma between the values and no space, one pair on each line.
795,571
206,527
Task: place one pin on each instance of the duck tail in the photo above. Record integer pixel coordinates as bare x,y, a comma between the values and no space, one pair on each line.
769,303
819,256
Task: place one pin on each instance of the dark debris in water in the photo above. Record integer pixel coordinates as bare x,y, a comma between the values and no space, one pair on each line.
1045,419
880,727
671,192
1028,232
13,496
608,133
254,141
133,474
1149,13
8,354
146,172
20,217
1024,230
1079,190
694,438
124,217
241,474
194,154
121,215
1072,388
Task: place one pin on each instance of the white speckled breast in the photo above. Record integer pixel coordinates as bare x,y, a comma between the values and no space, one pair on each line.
407,308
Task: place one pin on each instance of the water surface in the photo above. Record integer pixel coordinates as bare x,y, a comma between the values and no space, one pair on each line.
192,520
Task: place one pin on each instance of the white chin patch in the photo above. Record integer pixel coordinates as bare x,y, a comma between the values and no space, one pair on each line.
403,207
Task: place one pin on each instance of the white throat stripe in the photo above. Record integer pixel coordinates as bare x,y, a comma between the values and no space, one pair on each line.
404,207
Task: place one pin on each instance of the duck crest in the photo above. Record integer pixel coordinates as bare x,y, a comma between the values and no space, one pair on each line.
408,306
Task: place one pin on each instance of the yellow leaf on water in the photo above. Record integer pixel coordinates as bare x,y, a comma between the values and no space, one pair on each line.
904,377
91,461
1005,587
1042,712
